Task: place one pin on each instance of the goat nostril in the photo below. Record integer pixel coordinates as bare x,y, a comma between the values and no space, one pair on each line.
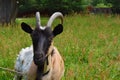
41,55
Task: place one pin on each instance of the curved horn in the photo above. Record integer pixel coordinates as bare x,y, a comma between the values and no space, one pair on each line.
53,17
38,19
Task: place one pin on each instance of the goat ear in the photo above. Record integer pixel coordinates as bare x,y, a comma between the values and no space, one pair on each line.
58,29
26,27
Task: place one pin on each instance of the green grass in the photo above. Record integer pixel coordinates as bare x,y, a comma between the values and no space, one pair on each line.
90,46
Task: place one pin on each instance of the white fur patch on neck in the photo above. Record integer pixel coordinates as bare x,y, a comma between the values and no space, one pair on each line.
24,60
42,27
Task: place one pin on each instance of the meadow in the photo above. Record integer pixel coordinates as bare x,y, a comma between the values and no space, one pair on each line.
89,44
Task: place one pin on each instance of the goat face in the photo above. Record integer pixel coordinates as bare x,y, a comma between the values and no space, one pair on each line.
41,39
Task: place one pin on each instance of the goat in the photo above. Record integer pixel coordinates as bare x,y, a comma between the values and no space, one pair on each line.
42,60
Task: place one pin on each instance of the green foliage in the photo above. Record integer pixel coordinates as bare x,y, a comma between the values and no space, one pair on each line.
95,2
89,44
50,6
102,5
27,5
115,3
64,6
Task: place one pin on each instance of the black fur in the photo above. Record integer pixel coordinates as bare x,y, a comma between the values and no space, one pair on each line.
58,29
26,27
40,71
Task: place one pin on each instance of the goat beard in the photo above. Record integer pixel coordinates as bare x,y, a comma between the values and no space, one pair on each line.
39,73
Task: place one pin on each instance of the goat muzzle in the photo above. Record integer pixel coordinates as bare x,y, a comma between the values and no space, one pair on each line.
39,59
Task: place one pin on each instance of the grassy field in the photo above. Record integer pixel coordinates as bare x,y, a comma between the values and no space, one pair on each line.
90,46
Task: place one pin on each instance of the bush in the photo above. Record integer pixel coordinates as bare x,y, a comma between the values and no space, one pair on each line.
49,6
115,5
102,5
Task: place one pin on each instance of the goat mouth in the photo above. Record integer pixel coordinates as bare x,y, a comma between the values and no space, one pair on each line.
39,61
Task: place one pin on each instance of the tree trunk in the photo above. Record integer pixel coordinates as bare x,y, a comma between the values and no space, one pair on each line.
8,11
